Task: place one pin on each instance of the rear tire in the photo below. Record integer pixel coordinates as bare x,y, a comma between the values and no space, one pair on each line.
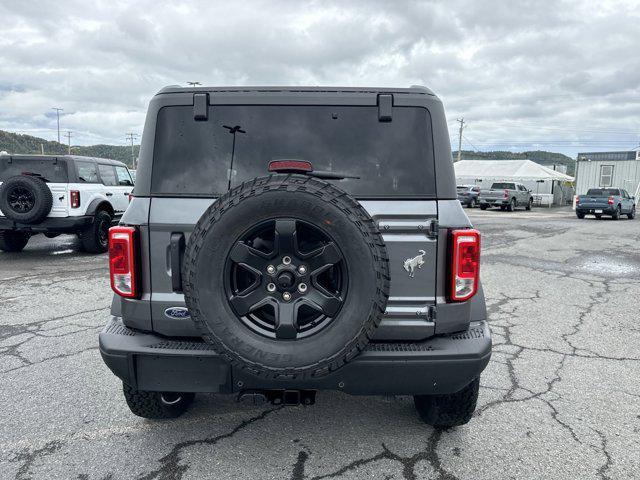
512,205
616,214
25,199
95,238
529,204
483,207
632,214
11,241
444,411
472,203
580,215
156,405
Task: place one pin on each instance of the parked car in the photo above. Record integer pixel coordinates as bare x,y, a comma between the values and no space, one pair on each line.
60,194
606,201
468,195
506,195
344,268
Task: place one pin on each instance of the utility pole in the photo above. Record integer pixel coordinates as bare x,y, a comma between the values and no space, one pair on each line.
193,84
131,136
461,121
68,135
58,110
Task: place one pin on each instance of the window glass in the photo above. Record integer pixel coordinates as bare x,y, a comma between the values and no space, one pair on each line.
503,186
45,168
602,192
108,175
238,142
87,172
606,175
124,179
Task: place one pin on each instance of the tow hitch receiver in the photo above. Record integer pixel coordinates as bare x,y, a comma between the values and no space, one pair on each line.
278,397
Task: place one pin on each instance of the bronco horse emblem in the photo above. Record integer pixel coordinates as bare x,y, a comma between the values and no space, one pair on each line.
410,264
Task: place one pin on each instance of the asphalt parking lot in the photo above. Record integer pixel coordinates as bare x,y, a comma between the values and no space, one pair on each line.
560,398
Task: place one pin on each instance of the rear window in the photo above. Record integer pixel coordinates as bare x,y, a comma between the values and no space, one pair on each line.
238,142
504,186
602,192
47,169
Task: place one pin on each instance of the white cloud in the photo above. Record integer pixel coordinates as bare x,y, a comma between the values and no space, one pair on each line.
563,76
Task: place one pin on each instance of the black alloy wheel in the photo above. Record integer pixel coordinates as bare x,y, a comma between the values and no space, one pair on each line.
285,279
21,199
102,230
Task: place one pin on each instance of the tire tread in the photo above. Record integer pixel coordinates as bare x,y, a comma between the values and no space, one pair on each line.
352,209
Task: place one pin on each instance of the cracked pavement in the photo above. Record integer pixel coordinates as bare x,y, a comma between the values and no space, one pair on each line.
559,399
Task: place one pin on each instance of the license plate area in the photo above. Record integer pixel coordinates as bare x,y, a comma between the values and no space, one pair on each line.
597,211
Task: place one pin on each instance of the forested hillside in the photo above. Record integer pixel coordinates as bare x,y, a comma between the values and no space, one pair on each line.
16,143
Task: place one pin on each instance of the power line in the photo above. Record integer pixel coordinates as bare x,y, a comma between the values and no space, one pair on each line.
58,110
471,143
461,121
131,136
68,135
566,128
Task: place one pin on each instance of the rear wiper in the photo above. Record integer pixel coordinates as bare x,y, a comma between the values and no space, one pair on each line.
41,177
330,175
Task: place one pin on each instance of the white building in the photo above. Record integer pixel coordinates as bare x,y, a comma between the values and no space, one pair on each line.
608,169
547,185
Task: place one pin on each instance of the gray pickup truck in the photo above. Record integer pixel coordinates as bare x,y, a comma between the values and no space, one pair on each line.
285,240
614,202
506,195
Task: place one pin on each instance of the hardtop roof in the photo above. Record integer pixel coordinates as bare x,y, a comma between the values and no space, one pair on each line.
414,89
107,161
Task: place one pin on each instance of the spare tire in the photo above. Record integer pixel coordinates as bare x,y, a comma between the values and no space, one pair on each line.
25,199
287,276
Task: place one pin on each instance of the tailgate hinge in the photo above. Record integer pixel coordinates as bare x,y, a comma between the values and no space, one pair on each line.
432,313
433,229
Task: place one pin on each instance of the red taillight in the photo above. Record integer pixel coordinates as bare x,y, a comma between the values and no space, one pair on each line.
122,261
610,201
130,197
288,166
578,199
506,194
464,266
75,198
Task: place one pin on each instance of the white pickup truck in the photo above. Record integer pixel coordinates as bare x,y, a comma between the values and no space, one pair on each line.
506,195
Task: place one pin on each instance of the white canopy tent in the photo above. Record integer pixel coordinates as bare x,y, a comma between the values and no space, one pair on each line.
543,182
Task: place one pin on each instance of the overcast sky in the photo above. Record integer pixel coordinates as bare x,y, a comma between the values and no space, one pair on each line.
560,76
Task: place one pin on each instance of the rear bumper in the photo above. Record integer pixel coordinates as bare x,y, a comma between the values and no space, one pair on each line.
49,224
466,200
591,209
495,202
443,364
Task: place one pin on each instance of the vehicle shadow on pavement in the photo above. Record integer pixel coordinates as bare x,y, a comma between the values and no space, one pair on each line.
338,435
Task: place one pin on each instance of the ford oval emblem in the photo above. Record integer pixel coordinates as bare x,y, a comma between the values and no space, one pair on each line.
177,312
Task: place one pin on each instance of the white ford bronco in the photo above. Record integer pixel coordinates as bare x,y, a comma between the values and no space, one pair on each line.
61,194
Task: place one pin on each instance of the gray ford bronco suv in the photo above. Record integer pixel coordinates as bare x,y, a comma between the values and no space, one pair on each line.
287,240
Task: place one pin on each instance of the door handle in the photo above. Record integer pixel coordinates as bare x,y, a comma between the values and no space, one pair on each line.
109,194
176,245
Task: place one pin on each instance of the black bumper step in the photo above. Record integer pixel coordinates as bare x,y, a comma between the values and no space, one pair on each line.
442,364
